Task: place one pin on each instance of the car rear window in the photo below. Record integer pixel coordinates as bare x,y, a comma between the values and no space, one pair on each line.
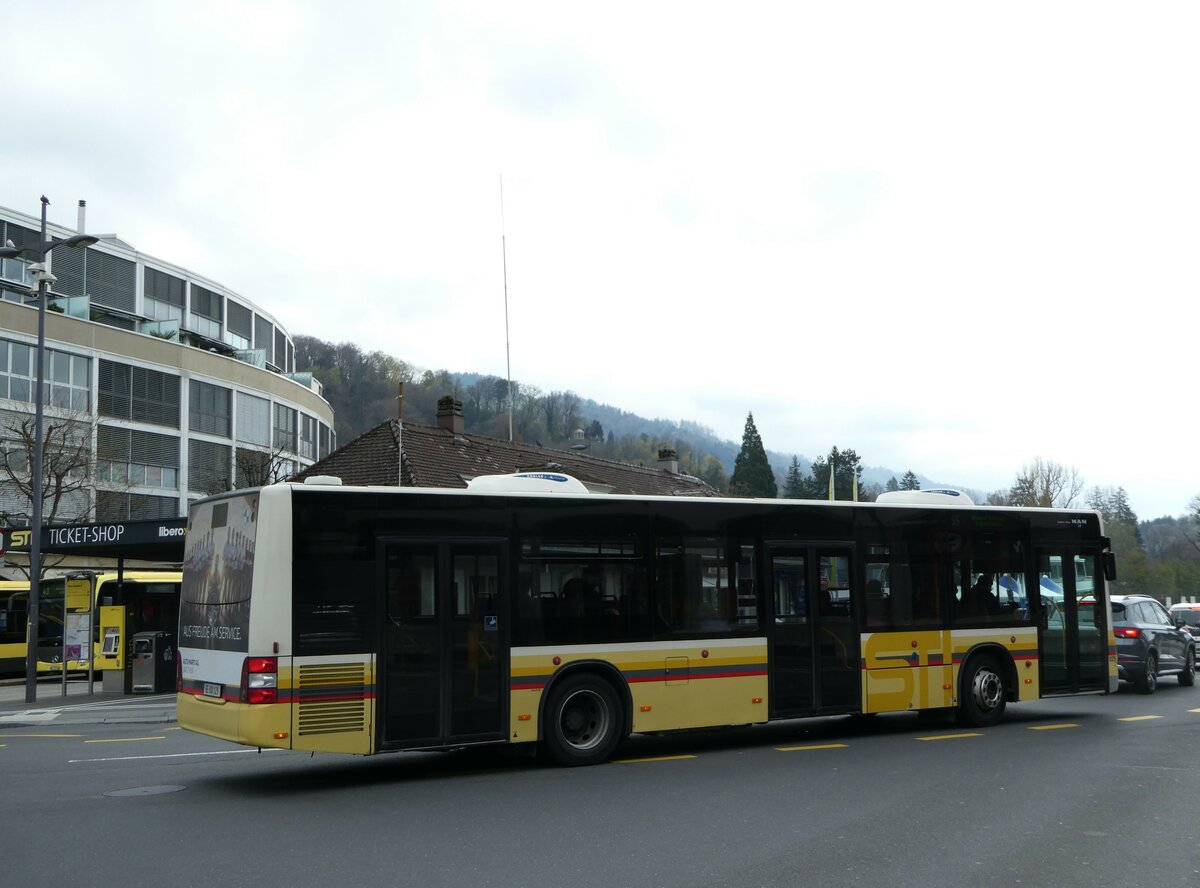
1189,615
1118,613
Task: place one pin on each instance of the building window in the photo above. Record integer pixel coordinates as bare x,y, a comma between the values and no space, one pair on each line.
285,428
67,379
138,393
17,271
264,337
210,409
106,280
253,420
239,325
206,312
114,506
281,346
308,435
208,467
137,459
164,296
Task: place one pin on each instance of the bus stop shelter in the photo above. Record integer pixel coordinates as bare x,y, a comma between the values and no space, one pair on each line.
158,542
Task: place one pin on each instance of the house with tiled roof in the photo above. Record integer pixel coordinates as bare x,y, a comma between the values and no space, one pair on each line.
444,455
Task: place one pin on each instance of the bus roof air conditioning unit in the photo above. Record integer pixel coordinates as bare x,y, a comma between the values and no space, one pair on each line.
527,482
937,496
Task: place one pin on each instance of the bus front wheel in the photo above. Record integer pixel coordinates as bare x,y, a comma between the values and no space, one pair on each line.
983,694
583,721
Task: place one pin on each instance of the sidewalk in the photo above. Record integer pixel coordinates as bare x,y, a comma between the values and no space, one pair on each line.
78,706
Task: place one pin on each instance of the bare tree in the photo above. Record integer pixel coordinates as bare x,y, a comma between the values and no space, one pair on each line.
1047,484
66,467
70,476
258,468
1194,536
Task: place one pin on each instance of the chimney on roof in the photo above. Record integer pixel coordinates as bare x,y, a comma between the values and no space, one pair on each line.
450,414
668,460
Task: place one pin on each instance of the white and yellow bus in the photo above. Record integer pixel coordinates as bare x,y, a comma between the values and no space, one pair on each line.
526,610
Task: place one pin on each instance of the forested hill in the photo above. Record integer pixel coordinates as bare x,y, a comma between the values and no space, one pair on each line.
362,388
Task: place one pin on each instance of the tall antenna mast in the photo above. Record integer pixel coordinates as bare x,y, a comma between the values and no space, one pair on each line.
507,350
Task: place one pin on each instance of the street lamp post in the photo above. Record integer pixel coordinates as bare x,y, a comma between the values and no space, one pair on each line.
41,250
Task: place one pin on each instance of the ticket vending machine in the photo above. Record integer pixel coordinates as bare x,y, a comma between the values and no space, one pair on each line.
111,658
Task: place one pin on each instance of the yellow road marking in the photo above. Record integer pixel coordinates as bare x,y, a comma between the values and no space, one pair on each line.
1051,727
125,740
950,737
1139,718
661,758
803,748
42,736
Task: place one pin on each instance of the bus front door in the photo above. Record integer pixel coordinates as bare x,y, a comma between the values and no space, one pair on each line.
814,643
444,647
1072,631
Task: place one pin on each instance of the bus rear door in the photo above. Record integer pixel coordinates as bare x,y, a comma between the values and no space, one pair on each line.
444,650
1073,626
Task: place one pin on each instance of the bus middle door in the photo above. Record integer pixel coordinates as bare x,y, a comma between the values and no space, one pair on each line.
443,656
814,642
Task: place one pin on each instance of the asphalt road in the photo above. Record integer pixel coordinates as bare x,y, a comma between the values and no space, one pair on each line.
1092,791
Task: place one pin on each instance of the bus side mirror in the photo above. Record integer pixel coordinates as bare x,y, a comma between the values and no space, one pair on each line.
1110,567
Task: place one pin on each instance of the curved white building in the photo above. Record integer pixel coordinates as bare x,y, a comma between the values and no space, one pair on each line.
171,385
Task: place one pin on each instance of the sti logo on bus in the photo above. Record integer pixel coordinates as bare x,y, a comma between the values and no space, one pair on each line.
20,539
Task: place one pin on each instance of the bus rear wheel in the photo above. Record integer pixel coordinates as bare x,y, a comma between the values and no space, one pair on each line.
583,721
983,694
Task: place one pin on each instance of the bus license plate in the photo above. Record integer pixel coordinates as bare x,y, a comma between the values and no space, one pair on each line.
212,690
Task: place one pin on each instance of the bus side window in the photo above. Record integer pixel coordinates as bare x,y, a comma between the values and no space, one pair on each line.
878,604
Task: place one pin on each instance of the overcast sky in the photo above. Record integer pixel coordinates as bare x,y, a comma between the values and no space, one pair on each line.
954,237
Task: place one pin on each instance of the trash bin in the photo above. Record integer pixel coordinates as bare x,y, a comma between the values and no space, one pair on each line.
153,662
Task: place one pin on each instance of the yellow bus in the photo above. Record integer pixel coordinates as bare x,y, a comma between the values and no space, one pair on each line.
114,606
14,622
525,610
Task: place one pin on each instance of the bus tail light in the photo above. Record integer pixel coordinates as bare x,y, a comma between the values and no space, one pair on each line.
1127,632
260,678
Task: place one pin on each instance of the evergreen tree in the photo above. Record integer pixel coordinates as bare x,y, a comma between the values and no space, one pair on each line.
909,481
1113,506
794,486
752,475
844,464
893,485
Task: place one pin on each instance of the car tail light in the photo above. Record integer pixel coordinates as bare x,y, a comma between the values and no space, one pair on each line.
1127,632
260,678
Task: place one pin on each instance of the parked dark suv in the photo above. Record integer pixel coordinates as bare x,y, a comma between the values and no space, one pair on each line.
1149,644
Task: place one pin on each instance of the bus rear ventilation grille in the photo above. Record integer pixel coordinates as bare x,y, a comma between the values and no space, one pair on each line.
332,698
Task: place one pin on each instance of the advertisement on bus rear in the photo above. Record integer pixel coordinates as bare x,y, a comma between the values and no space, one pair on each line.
214,607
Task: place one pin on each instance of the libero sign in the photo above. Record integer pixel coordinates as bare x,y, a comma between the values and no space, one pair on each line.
122,538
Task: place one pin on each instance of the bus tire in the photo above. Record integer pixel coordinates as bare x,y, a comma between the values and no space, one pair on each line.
583,721
983,692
